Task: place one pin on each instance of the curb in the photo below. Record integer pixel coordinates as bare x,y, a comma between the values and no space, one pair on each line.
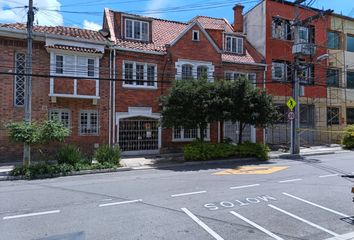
298,156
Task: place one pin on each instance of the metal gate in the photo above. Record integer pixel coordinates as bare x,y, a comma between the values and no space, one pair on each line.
138,134
231,132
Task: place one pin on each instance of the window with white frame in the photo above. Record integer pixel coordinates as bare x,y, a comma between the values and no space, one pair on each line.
136,30
19,82
88,124
252,77
234,44
195,35
303,35
185,134
279,71
281,29
63,115
230,75
139,74
72,65
189,69
187,72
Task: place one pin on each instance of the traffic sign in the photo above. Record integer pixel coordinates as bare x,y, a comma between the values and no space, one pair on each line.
291,115
291,103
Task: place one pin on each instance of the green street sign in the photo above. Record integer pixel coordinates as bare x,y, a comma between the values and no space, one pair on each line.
291,103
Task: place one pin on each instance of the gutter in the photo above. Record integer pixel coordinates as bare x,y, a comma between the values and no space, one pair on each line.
139,51
254,64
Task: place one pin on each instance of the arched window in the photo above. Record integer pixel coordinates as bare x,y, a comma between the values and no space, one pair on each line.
202,72
187,71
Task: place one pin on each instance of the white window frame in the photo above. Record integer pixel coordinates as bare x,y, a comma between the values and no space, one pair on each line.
193,34
306,30
134,21
283,70
184,139
89,124
238,42
60,113
74,69
284,29
134,81
195,65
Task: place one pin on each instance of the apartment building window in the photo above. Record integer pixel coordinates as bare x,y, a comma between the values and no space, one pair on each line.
350,43
280,71
19,82
281,29
185,134
350,79
332,116
234,44
333,77
303,34
72,65
333,40
350,115
307,115
137,74
88,124
187,72
306,73
63,115
136,30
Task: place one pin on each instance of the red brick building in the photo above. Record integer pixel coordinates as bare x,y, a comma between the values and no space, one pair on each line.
150,53
65,63
269,27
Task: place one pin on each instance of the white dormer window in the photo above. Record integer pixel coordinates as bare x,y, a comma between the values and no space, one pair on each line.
234,44
136,30
195,36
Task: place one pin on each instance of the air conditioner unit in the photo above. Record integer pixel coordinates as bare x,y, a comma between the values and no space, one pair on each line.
307,49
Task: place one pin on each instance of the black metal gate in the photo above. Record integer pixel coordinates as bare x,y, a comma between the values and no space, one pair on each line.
138,134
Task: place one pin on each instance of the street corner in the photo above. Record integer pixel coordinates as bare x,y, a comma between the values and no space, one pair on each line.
244,170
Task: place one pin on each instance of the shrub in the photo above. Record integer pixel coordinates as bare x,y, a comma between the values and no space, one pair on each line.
107,154
199,151
69,154
348,138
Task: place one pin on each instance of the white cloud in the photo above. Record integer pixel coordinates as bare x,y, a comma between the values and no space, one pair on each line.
155,5
13,11
91,25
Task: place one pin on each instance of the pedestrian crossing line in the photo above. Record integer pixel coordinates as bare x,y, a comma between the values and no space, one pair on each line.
304,220
202,224
256,226
316,205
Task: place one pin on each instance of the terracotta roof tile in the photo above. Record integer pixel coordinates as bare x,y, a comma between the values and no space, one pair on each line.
59,30
74,48
214,23
163,32
235,58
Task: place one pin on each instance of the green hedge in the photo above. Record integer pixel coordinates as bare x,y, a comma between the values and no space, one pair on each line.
199,151
47,170
348,139
107,154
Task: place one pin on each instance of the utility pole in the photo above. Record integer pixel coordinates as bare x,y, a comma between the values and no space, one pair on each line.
295,123
300,48
28,83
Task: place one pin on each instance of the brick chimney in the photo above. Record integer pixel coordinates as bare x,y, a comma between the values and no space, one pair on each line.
238,18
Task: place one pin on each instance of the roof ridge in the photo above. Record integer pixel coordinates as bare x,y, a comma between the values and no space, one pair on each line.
46,26
210,17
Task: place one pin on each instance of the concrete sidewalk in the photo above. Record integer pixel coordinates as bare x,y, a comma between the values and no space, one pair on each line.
153,161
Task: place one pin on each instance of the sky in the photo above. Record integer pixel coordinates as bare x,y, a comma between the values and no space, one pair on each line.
89,13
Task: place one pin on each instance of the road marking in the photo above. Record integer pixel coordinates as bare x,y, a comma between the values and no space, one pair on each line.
189,193
31,214
329,175
119,203
346,236
256,226
316,205
290,180
252,170
245,186
304,220
203,225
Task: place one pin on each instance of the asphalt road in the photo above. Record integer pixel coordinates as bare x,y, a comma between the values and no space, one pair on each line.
289,199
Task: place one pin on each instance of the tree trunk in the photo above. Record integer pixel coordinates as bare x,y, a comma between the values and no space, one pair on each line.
240,133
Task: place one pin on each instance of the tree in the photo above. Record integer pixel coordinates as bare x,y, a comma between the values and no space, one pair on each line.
249,106
37,133
188,105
